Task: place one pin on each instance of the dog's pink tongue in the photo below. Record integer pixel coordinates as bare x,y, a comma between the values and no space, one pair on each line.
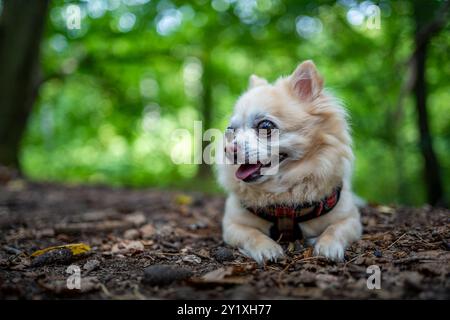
246,170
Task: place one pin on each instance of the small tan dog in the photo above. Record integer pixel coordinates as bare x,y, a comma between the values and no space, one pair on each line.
310,196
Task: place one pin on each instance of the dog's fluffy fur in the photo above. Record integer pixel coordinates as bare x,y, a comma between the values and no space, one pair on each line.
315,135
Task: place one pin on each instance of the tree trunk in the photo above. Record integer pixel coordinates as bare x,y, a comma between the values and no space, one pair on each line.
431,167
426,28
21,27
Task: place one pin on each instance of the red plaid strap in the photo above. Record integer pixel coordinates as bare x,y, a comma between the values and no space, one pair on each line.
286,218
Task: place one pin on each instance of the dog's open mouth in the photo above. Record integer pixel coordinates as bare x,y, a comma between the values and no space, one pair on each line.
252,172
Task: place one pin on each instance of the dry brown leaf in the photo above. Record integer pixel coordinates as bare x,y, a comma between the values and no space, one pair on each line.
127,247
147,231
308,253
192,258
223,276
136,218
147,243
386,209
203,253
183,233
131,234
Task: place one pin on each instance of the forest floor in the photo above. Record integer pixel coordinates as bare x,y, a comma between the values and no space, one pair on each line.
153,244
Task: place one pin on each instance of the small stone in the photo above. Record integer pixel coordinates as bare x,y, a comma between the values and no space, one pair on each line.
131,234
223,254
198,225
378,253
192,258
147,231
12,250
60,256
163,274
91,265
136,218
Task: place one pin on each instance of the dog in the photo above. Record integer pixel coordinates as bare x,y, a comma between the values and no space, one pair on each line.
309,197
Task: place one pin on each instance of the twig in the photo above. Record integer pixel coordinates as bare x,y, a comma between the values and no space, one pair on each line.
413,259
395,241
351,260
295,260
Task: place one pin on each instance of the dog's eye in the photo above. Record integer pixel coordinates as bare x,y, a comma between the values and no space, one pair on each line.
266,126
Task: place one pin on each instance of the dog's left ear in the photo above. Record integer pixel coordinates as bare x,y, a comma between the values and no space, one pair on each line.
256,81
306,81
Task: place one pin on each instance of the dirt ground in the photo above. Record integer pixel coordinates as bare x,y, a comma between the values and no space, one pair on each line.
152,244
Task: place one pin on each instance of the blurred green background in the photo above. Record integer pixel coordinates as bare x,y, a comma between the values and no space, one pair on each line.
114,90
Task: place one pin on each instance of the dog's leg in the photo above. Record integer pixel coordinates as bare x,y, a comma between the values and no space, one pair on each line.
336,237
245,231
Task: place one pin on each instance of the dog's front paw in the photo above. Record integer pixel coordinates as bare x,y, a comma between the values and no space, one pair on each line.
262,250
329,248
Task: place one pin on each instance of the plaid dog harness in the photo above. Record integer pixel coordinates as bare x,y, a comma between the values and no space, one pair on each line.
285,218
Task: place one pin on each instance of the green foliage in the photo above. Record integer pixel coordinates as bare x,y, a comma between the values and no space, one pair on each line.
116,89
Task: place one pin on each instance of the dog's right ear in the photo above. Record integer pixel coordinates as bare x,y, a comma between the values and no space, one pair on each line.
306,81
256,81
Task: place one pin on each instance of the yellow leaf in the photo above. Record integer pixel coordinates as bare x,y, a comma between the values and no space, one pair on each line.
75,248
183,199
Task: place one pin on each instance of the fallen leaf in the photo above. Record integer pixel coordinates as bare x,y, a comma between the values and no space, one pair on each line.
192,258
127,247
385,209
203,253
223,276
308,253
147,243
75,248
183,199
218,274
131,234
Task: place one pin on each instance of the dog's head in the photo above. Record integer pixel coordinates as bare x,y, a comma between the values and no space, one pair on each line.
284,132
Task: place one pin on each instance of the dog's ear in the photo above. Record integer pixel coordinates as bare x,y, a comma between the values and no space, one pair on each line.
306,81
256,81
